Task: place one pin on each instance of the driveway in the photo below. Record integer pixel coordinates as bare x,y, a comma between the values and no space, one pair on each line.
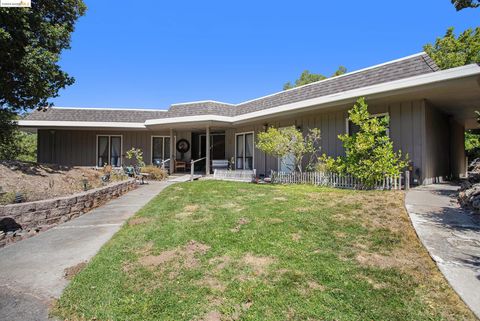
32,271
451,236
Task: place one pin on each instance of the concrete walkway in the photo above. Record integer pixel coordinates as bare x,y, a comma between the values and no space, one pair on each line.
451,236
32,270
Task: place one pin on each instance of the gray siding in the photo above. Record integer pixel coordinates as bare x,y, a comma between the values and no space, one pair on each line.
78,147
445,146
457,149
434,142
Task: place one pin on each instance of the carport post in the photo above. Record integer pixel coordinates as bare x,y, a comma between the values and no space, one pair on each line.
172,161
207,143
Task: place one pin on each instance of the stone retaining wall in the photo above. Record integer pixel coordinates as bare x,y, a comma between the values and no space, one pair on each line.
19,221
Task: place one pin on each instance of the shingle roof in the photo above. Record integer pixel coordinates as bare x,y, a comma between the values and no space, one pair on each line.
404,68
410,67
96,115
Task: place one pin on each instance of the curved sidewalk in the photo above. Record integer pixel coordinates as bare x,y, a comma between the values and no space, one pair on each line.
451,236
32,270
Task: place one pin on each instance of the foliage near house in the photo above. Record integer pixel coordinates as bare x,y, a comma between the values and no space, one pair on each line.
472,145
155,173
31,41
290,142
463,4
212,250
369,154
306,78
135,154
451,51
15,144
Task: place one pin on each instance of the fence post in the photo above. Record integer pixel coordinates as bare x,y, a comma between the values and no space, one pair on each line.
407,180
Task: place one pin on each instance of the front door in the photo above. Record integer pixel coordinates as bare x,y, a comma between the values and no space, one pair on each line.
217,146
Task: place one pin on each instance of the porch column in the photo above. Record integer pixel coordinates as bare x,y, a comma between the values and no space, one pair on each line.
172,160
207,142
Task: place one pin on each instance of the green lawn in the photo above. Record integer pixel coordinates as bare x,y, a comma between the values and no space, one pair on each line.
213,250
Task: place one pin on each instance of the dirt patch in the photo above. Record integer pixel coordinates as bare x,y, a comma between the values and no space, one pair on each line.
310,287
280,199
220,262
303,209
275,220
70,272
187,211
383,261
212,316
139,220
180,258
41,181
240,223
233,207
239,310
259,264
212,283
296,237
376,285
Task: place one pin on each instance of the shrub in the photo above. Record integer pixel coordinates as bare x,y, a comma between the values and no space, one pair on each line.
137,155
156,173
290,142
369,154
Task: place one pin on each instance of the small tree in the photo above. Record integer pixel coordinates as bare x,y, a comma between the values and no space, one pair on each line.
137,154
369,154
289,141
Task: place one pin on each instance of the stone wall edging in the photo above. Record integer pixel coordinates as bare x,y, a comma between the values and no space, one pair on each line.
36,216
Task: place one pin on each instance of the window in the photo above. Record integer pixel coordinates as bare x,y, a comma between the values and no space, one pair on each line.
160,149
109,150
244,150
353,129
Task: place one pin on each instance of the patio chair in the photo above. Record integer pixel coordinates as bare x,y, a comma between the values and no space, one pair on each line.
180,165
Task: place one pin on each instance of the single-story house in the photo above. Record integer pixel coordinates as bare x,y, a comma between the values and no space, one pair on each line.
429,111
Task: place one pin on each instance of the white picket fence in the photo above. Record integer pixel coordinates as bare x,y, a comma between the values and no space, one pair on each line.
339,181
237,175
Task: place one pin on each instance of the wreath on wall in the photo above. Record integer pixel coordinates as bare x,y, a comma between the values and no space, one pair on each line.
183,146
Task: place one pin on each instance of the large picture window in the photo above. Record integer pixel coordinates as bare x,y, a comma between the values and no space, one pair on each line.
160,149
109,150
244,151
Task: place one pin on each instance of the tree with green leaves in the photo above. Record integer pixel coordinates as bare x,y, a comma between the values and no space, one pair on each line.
463,4
290,142
31,41
451,51
306,78
369,154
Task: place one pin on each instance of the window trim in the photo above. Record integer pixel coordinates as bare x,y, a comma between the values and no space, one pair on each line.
347,131
109,148
253,149
163,146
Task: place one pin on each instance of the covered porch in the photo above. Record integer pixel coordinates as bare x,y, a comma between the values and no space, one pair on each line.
186,148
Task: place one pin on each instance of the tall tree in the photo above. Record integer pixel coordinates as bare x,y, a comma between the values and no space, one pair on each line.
463,4
31,41
451,51
306,78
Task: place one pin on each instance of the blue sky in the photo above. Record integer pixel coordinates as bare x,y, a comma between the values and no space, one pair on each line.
150,54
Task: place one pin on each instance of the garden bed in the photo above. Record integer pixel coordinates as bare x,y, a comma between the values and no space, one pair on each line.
42,181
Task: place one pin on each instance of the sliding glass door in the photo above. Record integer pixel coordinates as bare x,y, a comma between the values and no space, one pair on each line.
160,149
244,151
109,150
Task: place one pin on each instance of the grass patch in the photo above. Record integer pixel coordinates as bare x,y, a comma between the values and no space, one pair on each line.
235,251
